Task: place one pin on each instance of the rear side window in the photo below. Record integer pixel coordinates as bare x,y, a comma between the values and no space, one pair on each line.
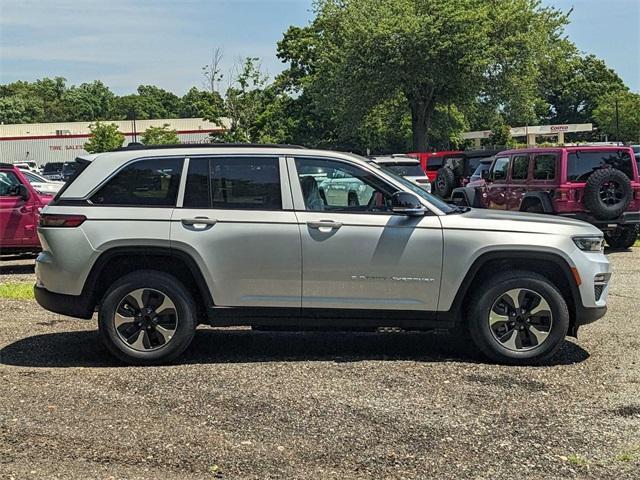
499,168
434,163
544,167
520,168
149,182
582,164
249,183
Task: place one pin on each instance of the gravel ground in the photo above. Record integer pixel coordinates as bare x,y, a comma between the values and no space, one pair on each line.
244,405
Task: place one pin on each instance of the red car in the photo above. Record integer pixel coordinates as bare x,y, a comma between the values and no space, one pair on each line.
20,207
599,185
431,162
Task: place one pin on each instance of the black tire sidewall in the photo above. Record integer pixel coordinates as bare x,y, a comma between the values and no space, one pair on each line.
482,303
448,177
624,238
592,199
169,286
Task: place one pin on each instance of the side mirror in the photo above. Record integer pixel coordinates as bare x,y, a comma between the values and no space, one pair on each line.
405,203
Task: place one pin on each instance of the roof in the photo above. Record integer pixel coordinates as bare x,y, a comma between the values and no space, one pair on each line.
397,159
82,128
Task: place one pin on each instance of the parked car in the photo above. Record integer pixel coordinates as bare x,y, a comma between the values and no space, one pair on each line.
240,235
53,171
68,169
20,206
431,162
41,184
30,165
407,167
599,185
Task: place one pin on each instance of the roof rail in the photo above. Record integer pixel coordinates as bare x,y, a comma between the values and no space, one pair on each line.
6,165
140,146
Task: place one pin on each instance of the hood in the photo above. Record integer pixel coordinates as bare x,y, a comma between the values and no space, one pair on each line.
498,220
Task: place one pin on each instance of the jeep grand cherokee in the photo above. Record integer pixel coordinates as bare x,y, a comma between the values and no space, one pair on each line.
159,240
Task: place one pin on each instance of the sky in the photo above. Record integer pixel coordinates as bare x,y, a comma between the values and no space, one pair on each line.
126,43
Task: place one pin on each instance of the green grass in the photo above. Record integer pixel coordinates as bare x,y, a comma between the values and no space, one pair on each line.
637,244
17,291
577,460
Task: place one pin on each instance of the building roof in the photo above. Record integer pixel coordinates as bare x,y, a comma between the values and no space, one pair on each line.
27,130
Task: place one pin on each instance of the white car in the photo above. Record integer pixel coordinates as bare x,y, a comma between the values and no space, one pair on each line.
29,166
407,167
41,184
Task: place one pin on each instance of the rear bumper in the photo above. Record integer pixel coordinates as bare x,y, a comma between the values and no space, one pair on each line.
77,306
627,218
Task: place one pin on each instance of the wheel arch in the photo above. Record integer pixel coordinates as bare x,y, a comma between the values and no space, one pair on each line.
118,261
534,198
551,265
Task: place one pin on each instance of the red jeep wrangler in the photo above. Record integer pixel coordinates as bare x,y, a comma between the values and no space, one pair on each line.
451,168
599,185
20,206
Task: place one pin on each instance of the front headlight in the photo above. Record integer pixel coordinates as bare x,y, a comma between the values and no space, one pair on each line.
589,244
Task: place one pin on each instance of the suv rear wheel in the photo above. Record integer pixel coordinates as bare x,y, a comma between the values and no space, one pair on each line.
622,236
147,317
521,319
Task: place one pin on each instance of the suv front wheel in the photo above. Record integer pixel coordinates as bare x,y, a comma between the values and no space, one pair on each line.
147,317
521,319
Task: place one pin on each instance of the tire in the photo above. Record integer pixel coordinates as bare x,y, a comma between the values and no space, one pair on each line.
530,345
166,336
607,193
622,237
445,182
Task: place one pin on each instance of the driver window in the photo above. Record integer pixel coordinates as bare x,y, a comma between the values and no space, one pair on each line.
9,184
499,168
339,187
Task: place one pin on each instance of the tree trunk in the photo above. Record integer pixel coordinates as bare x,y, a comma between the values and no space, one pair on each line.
421,115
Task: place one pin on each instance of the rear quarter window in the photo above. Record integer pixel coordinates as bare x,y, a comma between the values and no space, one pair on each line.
582,164
149,182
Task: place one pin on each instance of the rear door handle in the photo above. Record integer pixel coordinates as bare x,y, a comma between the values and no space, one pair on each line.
325,225
199,221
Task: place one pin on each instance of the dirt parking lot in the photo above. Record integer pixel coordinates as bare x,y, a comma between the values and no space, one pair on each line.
244,405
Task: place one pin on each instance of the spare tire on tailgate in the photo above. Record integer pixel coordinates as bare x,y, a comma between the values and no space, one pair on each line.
607,193
445,182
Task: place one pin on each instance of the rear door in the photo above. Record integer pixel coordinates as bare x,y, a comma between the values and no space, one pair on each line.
358,254
236,220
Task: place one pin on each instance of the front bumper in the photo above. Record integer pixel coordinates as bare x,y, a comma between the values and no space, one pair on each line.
78,306
585,315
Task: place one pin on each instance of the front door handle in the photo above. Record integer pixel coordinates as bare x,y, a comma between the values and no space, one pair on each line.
199,221
325,225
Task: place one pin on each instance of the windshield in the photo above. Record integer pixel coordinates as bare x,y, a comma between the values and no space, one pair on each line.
405,170
440,204
69,167
52,167
34,177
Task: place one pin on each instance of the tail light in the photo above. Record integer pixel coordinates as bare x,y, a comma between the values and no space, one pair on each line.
61,221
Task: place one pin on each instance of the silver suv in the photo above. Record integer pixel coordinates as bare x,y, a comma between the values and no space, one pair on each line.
159,240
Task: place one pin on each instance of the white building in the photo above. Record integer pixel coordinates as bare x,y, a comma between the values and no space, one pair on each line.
61,142
533,131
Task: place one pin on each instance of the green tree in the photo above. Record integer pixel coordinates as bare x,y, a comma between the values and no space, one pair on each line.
201,104
245,101
104,138
160,136
357,54
500,134
628,115
88,102
19,109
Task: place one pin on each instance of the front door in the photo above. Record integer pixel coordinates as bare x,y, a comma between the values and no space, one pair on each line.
517,186
17,215
236,220
496,188
356,253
